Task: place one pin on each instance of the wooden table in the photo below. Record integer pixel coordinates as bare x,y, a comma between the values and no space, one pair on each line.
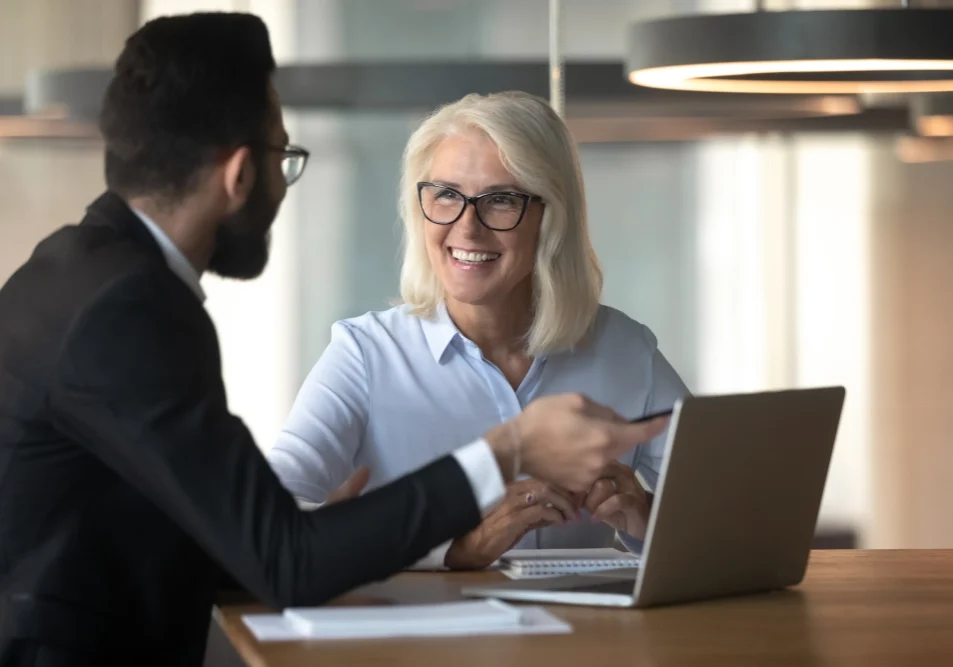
871,608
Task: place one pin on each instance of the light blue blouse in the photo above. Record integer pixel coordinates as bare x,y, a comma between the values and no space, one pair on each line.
394,392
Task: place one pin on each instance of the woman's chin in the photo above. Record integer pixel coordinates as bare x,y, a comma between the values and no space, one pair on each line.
471,297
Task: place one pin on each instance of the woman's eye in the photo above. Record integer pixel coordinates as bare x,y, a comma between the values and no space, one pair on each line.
504,201
447,195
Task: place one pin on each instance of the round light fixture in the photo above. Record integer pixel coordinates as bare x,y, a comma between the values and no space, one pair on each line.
851,51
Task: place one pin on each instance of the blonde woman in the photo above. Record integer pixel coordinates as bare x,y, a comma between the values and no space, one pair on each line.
501,306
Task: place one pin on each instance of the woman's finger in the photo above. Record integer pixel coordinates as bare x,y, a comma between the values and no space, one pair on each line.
601,491
534,492
539,515
561,501
617,503
622,476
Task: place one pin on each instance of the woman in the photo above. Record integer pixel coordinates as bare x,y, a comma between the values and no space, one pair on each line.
501,305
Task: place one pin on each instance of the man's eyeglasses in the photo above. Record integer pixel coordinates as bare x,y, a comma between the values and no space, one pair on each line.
293,161
499,211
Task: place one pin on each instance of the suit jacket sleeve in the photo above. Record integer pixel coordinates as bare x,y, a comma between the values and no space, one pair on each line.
138,383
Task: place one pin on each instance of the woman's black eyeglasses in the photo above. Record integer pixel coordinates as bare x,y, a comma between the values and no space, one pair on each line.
499,211
293,161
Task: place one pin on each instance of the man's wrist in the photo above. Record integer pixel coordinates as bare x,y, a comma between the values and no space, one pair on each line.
482,470
455,558
465,554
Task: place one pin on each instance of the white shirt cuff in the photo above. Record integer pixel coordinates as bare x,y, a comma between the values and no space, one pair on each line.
306,505
483,473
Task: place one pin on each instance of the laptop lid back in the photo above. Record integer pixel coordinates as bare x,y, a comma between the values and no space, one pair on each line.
738,495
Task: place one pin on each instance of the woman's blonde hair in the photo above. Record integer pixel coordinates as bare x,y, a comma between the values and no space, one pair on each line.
536,148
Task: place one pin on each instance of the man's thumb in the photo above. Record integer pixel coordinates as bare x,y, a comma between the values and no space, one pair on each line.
628,435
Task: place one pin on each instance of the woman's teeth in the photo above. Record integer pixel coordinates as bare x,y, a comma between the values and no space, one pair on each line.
474,257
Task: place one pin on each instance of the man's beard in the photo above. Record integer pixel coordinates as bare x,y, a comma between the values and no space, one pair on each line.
242,241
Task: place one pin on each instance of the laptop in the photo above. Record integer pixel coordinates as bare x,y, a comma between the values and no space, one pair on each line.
735,507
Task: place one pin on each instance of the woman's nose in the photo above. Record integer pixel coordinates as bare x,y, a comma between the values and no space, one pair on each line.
469,223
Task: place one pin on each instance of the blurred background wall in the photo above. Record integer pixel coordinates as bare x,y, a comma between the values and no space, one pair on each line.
760,260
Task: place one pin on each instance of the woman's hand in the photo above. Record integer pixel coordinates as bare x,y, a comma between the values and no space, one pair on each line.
617,499
352,487
528,504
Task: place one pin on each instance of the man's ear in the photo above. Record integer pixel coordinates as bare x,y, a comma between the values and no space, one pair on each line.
239,177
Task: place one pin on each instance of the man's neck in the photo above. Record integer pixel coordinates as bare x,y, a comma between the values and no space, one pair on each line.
186,228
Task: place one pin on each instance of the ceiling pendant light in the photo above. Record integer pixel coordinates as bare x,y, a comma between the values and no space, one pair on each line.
848,51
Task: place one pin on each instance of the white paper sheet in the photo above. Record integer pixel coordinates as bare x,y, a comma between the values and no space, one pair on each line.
385,620
534,621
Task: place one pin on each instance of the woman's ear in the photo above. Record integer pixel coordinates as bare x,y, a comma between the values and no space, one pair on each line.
239,178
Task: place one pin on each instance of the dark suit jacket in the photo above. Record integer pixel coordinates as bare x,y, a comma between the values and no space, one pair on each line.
128,490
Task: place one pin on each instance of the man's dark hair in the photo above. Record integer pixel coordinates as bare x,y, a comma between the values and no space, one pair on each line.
185,88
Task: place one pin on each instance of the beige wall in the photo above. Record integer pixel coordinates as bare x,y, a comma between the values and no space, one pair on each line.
41,189
45,185
912,335
60,33
881,260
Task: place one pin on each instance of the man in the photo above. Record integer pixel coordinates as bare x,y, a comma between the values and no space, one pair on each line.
127,489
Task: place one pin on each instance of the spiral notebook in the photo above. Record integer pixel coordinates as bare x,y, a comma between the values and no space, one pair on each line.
535,563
